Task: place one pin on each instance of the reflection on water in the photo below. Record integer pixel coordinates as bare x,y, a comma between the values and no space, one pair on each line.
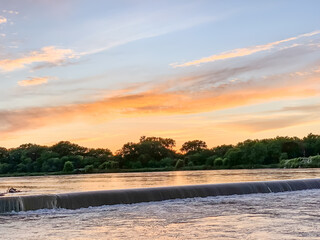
289,215
90,182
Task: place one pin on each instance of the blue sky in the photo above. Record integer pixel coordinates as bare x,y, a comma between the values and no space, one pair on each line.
101,73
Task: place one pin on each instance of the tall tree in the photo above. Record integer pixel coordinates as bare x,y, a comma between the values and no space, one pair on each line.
194,146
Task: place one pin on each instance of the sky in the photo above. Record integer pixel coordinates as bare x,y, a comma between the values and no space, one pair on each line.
103,73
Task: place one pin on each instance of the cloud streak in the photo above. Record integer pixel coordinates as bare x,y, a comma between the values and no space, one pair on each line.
10,12
241,52
49,54
270,123
2,20
33,81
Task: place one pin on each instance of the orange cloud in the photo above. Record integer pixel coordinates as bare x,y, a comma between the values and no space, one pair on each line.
240,52
2,20
161,103
48,54
33,81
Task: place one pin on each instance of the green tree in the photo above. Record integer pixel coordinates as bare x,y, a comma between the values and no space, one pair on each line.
167,162
194,146
4,155
218,162
89,169
311,145
52,165
164,142
65,148
148,149
221,150
68,166
292,148
98,156
234,156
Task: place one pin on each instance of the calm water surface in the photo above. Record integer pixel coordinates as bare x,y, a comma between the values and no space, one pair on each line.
290,215
91,182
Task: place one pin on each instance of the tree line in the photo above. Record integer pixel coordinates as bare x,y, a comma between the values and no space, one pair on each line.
157,153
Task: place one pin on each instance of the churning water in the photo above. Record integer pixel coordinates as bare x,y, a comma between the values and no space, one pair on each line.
289,215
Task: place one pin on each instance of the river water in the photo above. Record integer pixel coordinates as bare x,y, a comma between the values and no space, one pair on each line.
288,215
108,181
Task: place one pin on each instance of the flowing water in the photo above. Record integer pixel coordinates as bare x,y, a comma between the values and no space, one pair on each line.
288,215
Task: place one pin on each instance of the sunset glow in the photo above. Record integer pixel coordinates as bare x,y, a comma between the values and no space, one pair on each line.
104,74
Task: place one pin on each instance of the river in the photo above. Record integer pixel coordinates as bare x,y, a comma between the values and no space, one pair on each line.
107,181
288,215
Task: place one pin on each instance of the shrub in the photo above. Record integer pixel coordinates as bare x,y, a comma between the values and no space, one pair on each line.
210,160
136,165
68,166
166,162
283,156
179,164
225,162
316,159
153,164
88,169
21,167
197,158
109,165
218,162
4,167
190,164
52,165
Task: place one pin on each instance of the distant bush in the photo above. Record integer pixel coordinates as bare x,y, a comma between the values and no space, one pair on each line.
179,164
4,167
225,162
313,161
283,156
153,164
52,165
210,160
218,162
68,166
135,165
88,169
109,165
166,162
190,164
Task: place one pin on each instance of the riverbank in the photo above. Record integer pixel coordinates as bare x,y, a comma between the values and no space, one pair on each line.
302,162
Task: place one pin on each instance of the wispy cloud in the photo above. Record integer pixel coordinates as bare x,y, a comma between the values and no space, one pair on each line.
240,52
270,123
127,36
133,24
33,81
10,12
285,117
3,20
313,108
48,54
